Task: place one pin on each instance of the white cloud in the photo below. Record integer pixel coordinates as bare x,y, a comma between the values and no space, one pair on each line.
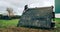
17,5
42,3
57,15
19,11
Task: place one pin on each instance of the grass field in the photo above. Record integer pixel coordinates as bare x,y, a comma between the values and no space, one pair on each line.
14,22
8,23
10,26
57,22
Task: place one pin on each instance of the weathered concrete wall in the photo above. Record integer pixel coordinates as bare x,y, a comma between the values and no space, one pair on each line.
38,17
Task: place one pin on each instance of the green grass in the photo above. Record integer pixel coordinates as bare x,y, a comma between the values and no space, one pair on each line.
57,19
14,22
57,22
7,23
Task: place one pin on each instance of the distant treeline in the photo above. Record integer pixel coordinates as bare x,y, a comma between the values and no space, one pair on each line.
16,17
11,17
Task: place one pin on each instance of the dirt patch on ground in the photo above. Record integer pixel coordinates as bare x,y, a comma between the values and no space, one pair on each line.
22,29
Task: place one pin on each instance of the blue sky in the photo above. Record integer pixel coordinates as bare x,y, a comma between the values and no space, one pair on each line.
18,5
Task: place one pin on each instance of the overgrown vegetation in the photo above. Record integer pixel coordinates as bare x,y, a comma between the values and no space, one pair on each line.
57,20
14,22
11,24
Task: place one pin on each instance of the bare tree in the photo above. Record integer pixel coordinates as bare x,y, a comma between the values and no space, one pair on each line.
10,11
